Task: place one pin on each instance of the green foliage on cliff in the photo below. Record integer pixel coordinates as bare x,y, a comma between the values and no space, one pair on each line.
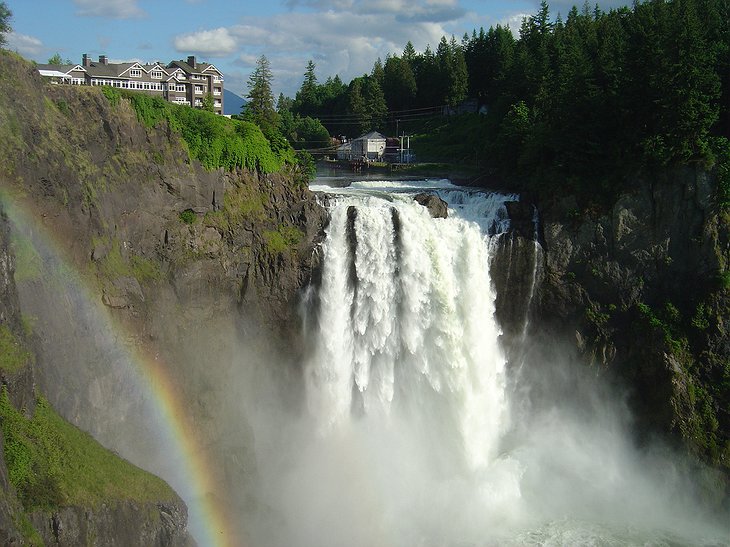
283,239
13,353
52,463
701,382
722,168
240,203
188,216
215,141
668,320
115,265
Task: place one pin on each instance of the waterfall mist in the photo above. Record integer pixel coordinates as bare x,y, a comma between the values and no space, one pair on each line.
414,429
405,424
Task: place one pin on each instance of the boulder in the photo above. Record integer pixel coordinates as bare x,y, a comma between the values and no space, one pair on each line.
435,205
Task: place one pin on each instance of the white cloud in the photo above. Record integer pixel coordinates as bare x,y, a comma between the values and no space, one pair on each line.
406,10
114,9
27,46
216,42
339,43
343,37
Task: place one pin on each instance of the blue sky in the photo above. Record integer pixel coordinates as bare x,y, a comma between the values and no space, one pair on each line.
342,36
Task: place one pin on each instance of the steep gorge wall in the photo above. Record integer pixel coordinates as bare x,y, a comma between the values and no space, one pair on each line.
104,197
640,292
133,522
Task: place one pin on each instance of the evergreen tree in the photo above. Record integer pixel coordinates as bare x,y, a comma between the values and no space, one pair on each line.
378,72
425,69
357,107
453,79
260,107
208,103
307,99
409,53
5,28
283,103
58,60
375,104
399,84
690,104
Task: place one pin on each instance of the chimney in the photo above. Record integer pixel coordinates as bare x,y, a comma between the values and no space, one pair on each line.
85,61
191,61
103,60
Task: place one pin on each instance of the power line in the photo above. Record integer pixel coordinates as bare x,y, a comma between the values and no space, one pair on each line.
405,112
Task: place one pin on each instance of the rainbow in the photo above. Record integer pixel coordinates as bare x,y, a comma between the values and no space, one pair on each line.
192,474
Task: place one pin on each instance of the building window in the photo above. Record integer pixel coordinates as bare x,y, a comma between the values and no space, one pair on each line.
180,88
135,73
157,75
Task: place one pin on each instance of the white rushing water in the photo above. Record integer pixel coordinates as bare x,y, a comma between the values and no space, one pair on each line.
416,432
406,321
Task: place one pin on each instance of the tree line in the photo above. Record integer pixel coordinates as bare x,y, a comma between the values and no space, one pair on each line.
592,94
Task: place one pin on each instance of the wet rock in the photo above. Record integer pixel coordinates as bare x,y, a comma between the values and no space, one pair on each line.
161,524
629,279
435,205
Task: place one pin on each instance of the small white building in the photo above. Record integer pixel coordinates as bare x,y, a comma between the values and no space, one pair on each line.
370,146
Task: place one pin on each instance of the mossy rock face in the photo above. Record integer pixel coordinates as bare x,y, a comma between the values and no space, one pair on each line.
78,493
14,355
52,463
646,280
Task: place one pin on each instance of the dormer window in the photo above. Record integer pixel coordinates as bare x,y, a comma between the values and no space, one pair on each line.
157,74
135,73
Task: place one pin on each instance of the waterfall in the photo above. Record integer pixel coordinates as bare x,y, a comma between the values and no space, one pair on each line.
406,320
412,432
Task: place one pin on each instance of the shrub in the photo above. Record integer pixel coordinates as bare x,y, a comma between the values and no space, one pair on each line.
112,94
283,239
188,216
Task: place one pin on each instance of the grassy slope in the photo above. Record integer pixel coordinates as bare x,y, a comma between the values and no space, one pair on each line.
51,463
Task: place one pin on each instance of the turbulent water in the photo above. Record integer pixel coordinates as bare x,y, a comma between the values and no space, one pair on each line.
416,431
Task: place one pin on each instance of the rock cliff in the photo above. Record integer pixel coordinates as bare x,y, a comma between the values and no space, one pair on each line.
190,264
640,292
133,522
